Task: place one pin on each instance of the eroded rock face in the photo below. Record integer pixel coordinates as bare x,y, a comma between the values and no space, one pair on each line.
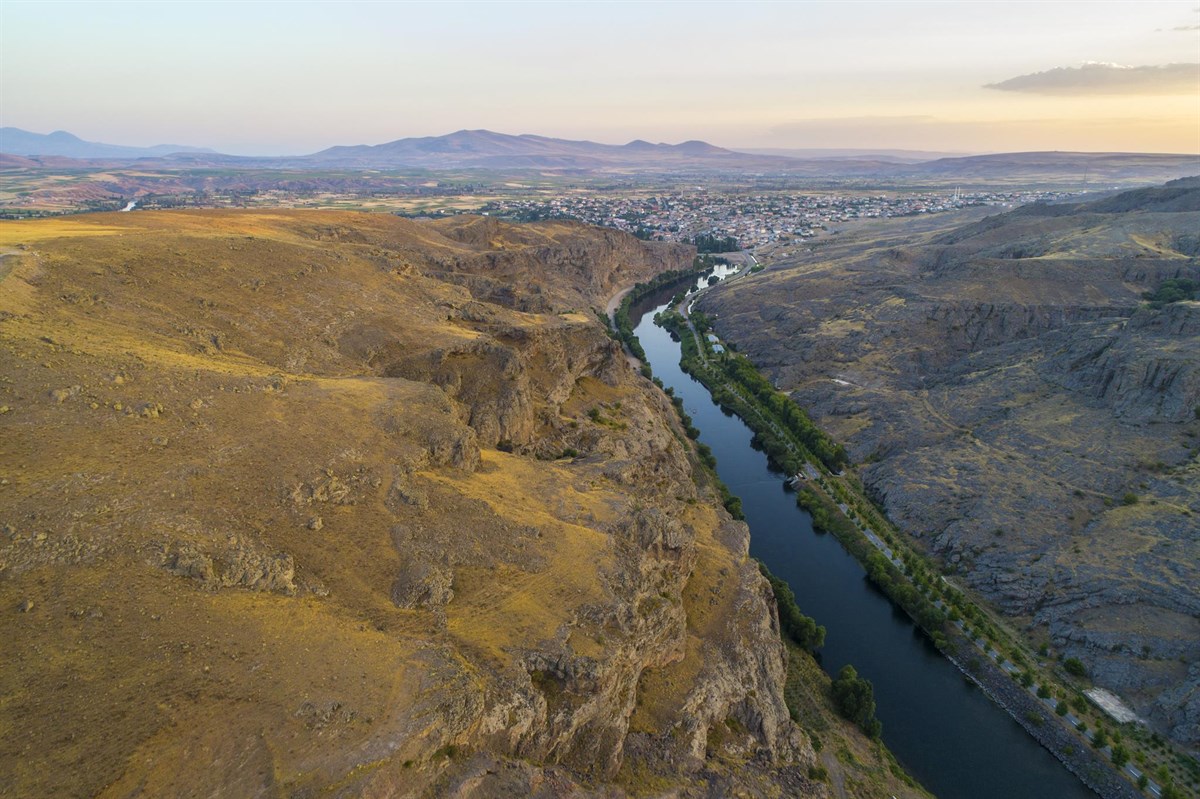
1020,413
1146,370
502,377
402,522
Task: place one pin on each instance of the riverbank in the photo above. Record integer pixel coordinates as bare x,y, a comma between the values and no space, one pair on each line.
932,718
908,578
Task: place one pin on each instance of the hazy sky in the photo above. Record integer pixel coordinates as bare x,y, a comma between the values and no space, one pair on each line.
294,77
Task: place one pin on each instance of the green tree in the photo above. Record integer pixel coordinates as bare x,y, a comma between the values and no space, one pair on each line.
1120,755
854,698
708,243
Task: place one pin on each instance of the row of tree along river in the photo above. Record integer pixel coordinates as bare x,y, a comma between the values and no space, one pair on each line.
944,730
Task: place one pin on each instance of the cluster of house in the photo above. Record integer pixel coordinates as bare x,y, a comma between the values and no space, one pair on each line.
753,220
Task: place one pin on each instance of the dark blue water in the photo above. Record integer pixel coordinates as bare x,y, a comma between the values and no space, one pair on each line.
943,729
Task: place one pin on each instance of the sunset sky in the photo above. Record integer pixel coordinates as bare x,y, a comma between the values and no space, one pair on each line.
295,77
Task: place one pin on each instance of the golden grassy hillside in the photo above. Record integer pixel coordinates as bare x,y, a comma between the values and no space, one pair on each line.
258,535
340,504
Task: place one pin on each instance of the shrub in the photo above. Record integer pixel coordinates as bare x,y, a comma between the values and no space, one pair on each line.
1169,791
1173,290
792,622
448,751
1075,667
733,504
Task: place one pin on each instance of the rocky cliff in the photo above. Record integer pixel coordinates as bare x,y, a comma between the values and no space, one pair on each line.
321,503
1022,412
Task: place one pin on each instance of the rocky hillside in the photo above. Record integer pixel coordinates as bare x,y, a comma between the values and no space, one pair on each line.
324,503
1023,412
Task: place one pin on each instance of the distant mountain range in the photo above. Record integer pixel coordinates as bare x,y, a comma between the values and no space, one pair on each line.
60,143
486,150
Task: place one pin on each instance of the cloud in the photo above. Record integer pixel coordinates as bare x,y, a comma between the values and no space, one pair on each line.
1096,78
1186,28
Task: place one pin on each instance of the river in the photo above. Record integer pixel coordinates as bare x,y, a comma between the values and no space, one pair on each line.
944,730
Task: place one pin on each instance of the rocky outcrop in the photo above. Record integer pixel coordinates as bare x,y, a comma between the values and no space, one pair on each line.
1149,372
236,566
423,585
966,328
588,262
506,375
743,679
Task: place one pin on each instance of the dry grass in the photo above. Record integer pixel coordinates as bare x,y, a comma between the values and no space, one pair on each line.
219,388
508,608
